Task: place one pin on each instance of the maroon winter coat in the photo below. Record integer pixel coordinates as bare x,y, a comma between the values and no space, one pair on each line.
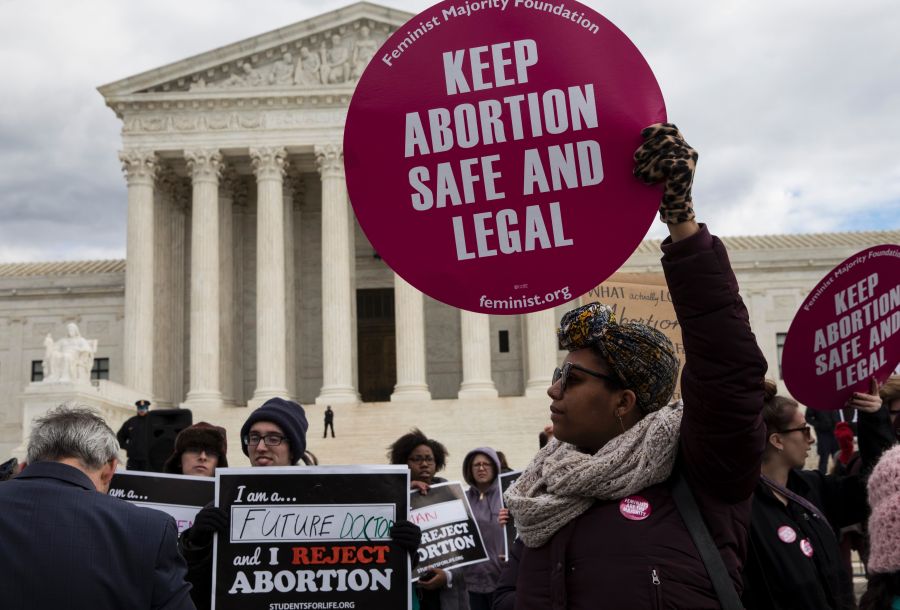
603,560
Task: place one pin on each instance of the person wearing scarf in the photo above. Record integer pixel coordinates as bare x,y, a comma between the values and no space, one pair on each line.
597,524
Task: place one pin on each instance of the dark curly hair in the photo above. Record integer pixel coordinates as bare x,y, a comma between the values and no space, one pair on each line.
399,452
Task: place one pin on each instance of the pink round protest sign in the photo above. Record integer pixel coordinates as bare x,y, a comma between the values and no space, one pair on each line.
488,152
847,331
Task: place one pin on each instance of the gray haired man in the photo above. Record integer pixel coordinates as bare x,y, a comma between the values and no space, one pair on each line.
69,545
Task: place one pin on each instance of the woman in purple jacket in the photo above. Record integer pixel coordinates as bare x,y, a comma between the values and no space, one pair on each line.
481,467
597,523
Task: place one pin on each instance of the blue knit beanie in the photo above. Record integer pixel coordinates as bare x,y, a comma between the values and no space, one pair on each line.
289,416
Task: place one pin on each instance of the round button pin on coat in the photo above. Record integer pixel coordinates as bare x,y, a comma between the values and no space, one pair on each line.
787,534
488,152
635,508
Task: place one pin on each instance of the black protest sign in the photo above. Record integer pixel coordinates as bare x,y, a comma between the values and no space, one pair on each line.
176,495
506,481
311,537
450,535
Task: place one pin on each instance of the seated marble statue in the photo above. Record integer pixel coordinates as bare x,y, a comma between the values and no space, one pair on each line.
69,359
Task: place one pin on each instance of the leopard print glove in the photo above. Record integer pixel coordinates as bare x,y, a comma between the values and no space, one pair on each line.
665,155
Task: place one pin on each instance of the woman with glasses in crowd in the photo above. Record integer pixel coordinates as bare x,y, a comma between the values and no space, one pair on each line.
444,589
795,561
481,467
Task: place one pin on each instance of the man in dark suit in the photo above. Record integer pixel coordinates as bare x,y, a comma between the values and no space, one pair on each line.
66,544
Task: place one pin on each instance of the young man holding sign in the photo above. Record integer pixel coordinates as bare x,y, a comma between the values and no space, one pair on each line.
595,510
273,435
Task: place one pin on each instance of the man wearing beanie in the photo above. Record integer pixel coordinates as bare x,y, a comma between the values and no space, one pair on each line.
273,435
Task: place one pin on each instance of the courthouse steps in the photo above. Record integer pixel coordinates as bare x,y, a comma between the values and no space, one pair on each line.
365,430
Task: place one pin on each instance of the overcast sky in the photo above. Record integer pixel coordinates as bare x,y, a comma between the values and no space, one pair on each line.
794,106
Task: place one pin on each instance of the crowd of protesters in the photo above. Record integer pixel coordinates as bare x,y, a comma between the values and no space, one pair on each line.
631,501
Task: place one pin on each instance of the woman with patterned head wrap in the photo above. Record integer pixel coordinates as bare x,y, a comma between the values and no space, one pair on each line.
597,523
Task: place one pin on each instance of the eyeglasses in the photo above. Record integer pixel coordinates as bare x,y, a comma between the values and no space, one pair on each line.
481,465
271,440
562,374
198,450
806,430
421,459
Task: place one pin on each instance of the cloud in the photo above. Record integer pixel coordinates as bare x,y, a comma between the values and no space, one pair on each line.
792,106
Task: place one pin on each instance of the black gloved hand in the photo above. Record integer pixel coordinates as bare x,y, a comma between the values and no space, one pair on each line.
210,520
665,156
407,536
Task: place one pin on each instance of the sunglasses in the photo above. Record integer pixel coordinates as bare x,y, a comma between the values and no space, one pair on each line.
199,450
806,430
562,374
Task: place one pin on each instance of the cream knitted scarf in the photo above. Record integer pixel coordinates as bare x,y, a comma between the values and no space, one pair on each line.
560,483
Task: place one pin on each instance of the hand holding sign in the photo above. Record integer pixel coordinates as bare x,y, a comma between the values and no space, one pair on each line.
433,580
665,155
209,521
867,403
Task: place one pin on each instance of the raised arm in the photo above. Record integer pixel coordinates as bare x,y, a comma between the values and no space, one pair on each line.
722,434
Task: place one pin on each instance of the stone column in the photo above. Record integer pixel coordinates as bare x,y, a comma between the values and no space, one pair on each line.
476,356
293,195
269,165
338,356
540,334
205,168
168,328
181,202
240,215
141,168
227,316
409,324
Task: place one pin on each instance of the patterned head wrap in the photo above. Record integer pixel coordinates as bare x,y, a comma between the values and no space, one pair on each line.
640,356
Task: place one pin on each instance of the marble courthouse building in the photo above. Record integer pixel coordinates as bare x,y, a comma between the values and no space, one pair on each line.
246,275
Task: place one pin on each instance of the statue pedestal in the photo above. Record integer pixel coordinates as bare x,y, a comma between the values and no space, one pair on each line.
114,402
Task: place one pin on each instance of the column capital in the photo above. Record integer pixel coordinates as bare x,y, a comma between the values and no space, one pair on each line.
269,163
230,181
240,195
141,166
295,188
204,165
330,159
167,181
181,196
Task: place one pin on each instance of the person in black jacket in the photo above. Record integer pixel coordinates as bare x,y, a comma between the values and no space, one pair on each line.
67,544
794,558
133,438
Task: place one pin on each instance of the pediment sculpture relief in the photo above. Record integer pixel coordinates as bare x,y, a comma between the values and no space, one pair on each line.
333,58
